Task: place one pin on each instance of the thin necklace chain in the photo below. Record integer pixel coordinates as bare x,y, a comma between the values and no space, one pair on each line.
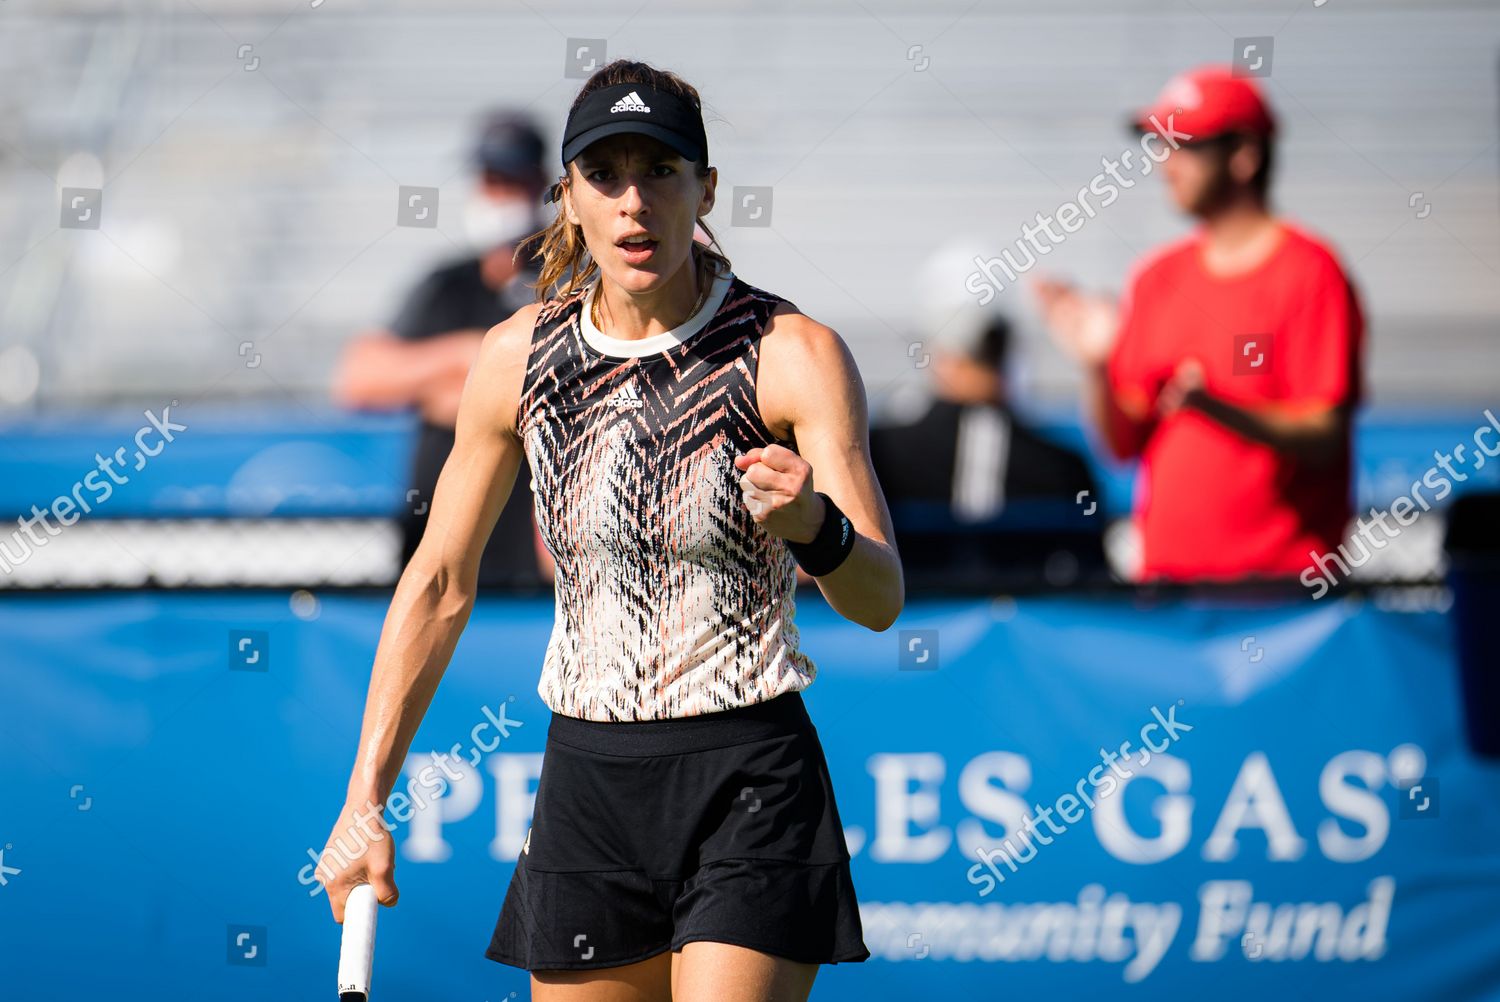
702,298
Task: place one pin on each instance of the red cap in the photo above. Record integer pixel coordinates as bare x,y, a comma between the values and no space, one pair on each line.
1206,102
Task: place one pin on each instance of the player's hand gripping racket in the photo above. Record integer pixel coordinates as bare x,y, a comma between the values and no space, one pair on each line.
357,948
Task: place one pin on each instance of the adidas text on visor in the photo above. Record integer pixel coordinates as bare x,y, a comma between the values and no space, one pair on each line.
639,109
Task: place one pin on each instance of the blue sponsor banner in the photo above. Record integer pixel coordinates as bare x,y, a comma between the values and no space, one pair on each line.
198,459
1107,797
206,460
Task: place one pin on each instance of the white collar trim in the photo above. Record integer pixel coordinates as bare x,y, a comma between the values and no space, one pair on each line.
616,347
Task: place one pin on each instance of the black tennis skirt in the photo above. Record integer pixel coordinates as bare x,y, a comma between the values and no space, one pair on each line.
648,835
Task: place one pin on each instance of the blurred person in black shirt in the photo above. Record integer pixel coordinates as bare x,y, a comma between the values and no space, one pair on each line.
424,356
977,495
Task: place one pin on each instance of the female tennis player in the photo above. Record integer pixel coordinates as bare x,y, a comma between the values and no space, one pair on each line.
685,842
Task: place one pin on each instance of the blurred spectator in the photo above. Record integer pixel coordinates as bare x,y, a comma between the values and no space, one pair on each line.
1233,363
424,357
968,481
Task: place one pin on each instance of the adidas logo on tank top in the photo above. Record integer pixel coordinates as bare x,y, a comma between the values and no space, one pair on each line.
670,599
624,397
630,102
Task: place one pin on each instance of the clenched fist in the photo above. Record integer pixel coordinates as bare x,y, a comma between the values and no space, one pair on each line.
777,486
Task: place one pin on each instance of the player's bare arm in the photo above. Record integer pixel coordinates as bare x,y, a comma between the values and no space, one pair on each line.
810,393
432,601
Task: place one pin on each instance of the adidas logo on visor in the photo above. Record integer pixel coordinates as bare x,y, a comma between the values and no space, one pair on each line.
630,102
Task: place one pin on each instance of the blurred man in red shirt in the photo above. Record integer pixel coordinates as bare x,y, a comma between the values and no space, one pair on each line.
1232,362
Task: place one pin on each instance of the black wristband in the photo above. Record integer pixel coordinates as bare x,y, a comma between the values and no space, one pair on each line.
829,548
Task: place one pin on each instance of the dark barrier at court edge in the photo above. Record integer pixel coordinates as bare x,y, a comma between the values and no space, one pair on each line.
1473,545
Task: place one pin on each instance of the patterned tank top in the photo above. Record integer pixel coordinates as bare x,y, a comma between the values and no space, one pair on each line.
670,600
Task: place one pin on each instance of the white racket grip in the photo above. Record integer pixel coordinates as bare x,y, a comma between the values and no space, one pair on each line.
357,948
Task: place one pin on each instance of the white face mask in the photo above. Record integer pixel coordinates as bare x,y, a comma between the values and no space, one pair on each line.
491,223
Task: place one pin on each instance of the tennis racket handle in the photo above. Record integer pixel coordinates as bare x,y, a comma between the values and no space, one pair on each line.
357,948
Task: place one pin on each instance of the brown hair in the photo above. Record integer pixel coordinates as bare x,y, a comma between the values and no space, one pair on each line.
562,250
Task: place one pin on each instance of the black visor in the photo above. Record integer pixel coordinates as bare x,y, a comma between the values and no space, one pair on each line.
638,109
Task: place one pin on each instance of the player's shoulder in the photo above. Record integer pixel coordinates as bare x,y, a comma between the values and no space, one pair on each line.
521,322
508,343
741,291
800,356
801,360
790,332
496,381
510,340
786,330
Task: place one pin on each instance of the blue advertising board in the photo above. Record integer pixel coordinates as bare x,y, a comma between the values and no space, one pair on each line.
1111,797
252,461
